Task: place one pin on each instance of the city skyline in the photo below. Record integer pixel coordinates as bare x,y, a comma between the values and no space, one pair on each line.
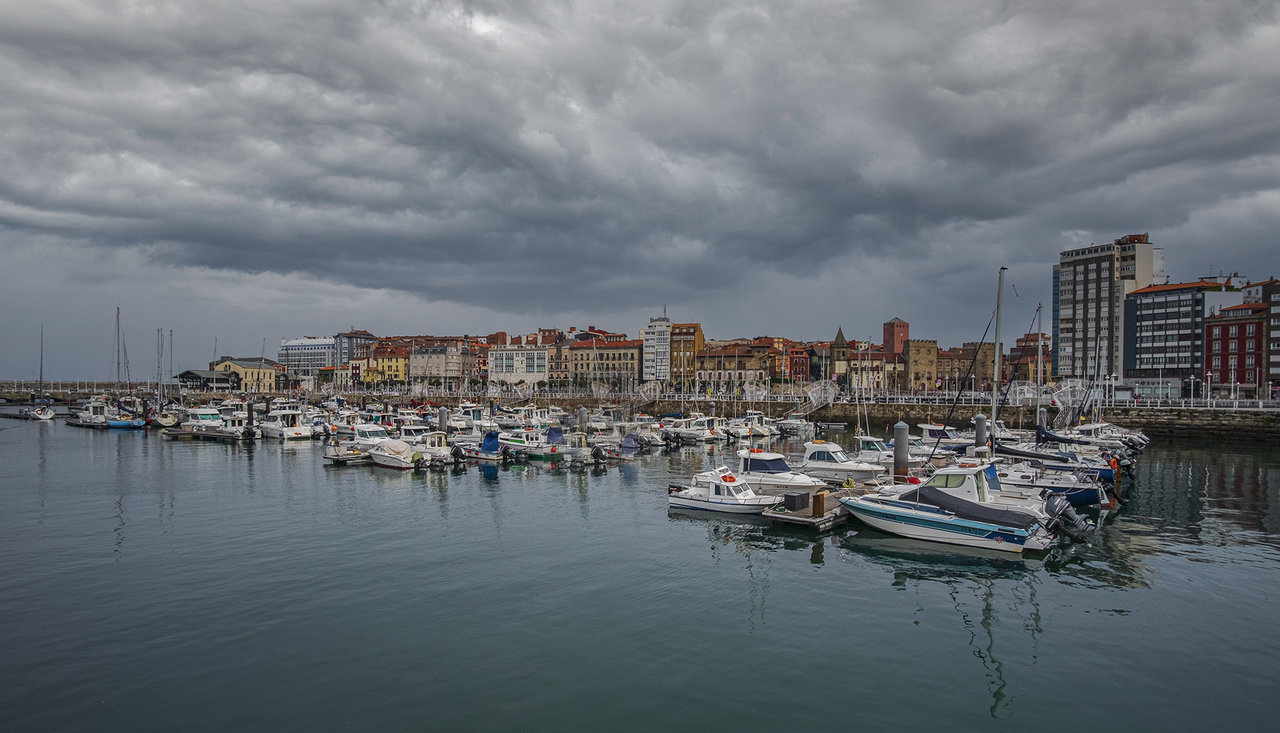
246,175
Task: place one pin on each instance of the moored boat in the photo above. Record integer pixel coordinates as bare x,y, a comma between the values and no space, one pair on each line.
722,492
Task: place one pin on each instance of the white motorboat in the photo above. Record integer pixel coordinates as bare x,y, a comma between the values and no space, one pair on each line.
285,424
828,461
768,473
720,492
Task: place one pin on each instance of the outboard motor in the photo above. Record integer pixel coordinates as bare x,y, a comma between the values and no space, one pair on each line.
597,454
458,453
1065,519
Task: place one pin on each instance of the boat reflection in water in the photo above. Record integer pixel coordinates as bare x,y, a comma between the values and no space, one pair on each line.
981,583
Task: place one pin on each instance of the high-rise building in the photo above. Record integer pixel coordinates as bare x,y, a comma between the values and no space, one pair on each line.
1089,287
656,364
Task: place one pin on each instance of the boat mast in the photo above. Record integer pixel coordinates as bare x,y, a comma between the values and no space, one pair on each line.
1039,357
41,387
995,377
117,345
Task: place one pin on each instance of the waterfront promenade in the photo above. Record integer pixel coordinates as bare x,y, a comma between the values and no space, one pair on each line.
1229,419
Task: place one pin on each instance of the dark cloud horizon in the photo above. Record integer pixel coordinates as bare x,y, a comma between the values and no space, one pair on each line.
255,173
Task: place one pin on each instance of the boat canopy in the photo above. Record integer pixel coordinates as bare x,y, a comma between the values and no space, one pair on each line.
965,509
555,434
490,443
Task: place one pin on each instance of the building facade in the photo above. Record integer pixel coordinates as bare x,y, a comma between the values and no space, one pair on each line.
305,357
656,365
1166,326
515,365
686,342
1236,338
601,361
347,344
256,374
1090,285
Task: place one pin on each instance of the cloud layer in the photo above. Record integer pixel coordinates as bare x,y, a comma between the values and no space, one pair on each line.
761,167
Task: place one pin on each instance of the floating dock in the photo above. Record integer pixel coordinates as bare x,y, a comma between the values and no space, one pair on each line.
823,512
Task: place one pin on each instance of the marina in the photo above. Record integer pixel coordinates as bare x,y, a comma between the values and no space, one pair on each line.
165,584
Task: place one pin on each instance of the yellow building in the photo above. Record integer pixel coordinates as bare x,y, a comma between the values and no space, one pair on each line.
256,375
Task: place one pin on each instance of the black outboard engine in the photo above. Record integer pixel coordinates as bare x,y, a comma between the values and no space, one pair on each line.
597,454
1065,519
458,453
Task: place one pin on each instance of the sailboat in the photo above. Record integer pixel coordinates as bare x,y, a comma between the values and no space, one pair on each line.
42,411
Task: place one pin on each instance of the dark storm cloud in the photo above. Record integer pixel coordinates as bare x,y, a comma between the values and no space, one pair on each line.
618,153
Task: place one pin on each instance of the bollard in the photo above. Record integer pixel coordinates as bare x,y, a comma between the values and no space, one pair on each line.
979,430
900,452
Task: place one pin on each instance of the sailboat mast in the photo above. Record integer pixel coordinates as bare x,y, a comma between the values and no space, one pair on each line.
995,377
1039,355
117,345
41,387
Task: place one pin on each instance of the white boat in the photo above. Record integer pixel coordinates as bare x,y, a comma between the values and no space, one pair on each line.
964,505
828,461
201,419
767,473
870,449
944,436
285,424
397,454
435,448
722,492
43,412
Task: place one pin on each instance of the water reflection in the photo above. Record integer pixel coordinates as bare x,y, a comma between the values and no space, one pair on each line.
973,578
747,536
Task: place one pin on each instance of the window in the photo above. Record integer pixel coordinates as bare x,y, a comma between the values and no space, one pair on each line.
1249,329
1217,331
1234,331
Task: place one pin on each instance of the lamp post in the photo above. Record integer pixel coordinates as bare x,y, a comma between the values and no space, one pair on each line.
1193,389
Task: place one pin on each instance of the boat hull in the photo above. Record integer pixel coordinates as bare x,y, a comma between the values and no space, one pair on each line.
924,524
710,505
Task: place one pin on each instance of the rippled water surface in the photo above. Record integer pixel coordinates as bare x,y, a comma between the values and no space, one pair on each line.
153,585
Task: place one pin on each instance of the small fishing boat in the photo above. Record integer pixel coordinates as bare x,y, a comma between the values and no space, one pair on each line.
722,492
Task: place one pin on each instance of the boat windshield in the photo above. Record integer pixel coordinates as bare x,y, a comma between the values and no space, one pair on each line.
372,433
767,465
835,456
946,480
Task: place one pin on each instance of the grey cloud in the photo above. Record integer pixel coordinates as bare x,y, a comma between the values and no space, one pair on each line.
528,159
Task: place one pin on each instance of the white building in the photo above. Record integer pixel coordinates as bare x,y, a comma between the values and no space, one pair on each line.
656,359
516,364
304,357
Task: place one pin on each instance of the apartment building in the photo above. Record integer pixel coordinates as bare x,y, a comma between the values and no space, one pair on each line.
1089,288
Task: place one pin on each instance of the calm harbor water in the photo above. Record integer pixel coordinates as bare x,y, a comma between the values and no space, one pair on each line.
154,585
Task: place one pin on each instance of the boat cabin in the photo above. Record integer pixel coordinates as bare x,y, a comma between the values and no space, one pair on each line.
760,461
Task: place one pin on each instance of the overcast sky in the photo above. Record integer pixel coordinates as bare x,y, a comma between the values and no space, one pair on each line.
246,172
